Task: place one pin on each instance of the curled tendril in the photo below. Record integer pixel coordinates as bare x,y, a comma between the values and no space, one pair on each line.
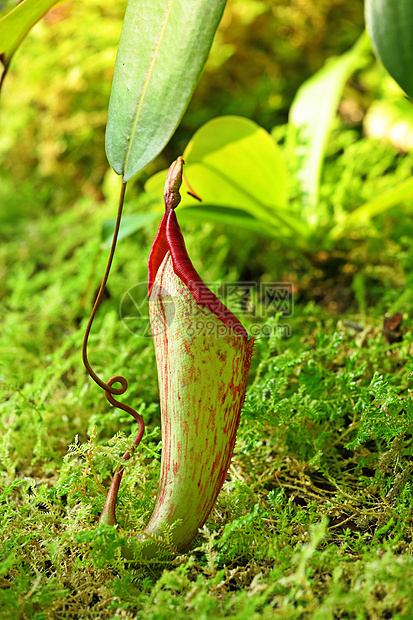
108,387
128,409
108,515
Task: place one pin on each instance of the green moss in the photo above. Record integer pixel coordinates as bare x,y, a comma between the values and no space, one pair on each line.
314,519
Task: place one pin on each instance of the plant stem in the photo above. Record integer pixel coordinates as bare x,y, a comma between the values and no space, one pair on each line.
95,377
109,509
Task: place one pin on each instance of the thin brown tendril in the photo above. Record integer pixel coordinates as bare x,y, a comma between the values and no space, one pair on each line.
128,409
96,379
108,515
4,72
108,387
191,191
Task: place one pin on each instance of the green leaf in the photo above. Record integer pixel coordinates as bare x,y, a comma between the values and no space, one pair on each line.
231,162
162,50
223,215
361,215
15,26
235,161
312,113
390,26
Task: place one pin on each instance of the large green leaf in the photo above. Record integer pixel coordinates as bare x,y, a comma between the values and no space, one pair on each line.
232,162
223,215
162,50
390,26
238,163
312,113
15,26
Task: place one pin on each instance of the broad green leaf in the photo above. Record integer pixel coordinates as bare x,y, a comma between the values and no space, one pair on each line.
232,162
163,47
361,215
16,24
390,26
240,219
229,217
235,161
312,113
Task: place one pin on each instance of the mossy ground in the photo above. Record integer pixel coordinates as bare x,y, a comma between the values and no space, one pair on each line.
314,519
